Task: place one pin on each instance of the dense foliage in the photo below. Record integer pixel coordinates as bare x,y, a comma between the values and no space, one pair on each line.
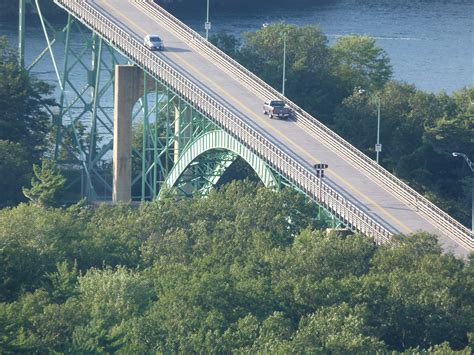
245,269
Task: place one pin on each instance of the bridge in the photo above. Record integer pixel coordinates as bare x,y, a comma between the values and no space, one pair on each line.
201,110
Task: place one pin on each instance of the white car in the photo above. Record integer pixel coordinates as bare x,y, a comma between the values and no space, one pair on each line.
153,42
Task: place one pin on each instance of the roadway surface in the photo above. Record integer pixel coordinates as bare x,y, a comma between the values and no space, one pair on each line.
349,181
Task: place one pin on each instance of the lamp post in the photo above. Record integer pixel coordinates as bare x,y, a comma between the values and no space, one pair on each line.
284,65
207,24
21,34
378,146
471,166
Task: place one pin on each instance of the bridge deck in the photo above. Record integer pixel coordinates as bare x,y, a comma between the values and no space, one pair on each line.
348,180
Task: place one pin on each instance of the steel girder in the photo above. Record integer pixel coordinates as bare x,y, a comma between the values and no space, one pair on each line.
211,154
170,124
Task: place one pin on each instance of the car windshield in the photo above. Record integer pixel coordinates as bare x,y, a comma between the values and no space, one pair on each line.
277,103
155,39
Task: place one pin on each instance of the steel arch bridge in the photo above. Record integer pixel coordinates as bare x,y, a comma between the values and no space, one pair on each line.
196,112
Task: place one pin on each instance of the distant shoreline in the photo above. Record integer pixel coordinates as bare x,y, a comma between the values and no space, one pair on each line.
9,8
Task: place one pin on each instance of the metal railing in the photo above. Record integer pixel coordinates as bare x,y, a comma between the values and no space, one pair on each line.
352,155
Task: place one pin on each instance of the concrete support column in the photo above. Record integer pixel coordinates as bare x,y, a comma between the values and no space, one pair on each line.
129,87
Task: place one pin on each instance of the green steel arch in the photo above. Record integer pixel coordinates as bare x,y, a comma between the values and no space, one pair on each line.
219,140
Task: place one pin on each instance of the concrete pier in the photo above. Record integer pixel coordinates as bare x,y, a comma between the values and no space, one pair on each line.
129,87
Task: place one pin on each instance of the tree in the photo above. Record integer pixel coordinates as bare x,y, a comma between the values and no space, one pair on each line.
451,129
23,118
15,170
410,286
338,329
110,297
62,283
46,185
37,325
226,42
319,77
359,62
33,241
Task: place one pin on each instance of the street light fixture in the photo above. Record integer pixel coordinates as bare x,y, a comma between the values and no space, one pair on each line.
378,146
284,65
471,166
207,24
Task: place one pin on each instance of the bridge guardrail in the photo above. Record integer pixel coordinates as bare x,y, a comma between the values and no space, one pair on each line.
388,181
305,179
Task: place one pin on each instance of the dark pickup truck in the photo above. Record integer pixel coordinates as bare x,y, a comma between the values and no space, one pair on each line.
276,108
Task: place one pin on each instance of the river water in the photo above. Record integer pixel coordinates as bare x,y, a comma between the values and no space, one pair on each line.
430,42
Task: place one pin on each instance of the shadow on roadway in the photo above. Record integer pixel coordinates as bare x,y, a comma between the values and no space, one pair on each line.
175,49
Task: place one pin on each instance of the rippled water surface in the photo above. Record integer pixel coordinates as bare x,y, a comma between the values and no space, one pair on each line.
430,42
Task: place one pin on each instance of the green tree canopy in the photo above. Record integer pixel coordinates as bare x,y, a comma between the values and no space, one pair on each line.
245,269
359,62
23,118
46,185
15,171
228,43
